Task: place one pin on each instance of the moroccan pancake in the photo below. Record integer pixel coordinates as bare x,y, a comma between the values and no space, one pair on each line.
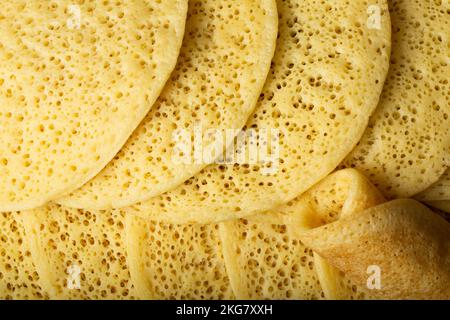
342,220
342,193
406,147
19,279
222,68
77,77
404,240
264,261
266,256
326,78
83,254
177,261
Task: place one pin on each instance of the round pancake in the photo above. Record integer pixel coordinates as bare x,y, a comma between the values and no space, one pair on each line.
326,80
222,68
75,82
407,145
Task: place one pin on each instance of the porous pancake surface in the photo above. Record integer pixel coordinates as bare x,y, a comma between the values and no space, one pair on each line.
220,73
326,79
406,147
77,77
169,261
19,278
82,253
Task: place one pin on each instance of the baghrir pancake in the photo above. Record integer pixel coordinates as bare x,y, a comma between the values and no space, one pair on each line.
76,80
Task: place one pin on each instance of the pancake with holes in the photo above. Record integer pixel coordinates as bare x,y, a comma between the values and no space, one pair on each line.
222,68
170,261
81,254
19,279
321,90
75,82
407,145
264,261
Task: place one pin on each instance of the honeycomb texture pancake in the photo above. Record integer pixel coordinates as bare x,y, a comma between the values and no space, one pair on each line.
321,90
76,80
407,145
407,241
19,279
177,261
265,262
221,71
71,243
440,190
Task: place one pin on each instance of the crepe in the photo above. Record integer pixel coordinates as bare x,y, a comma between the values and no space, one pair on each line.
222,68
406,147
76,80
322,88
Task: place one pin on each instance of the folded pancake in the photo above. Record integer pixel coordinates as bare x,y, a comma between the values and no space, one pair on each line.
260,257
406,147
347,191
19,279
321,90
440,190
82,253
76,80
221,71
405,241
339,194
176,261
